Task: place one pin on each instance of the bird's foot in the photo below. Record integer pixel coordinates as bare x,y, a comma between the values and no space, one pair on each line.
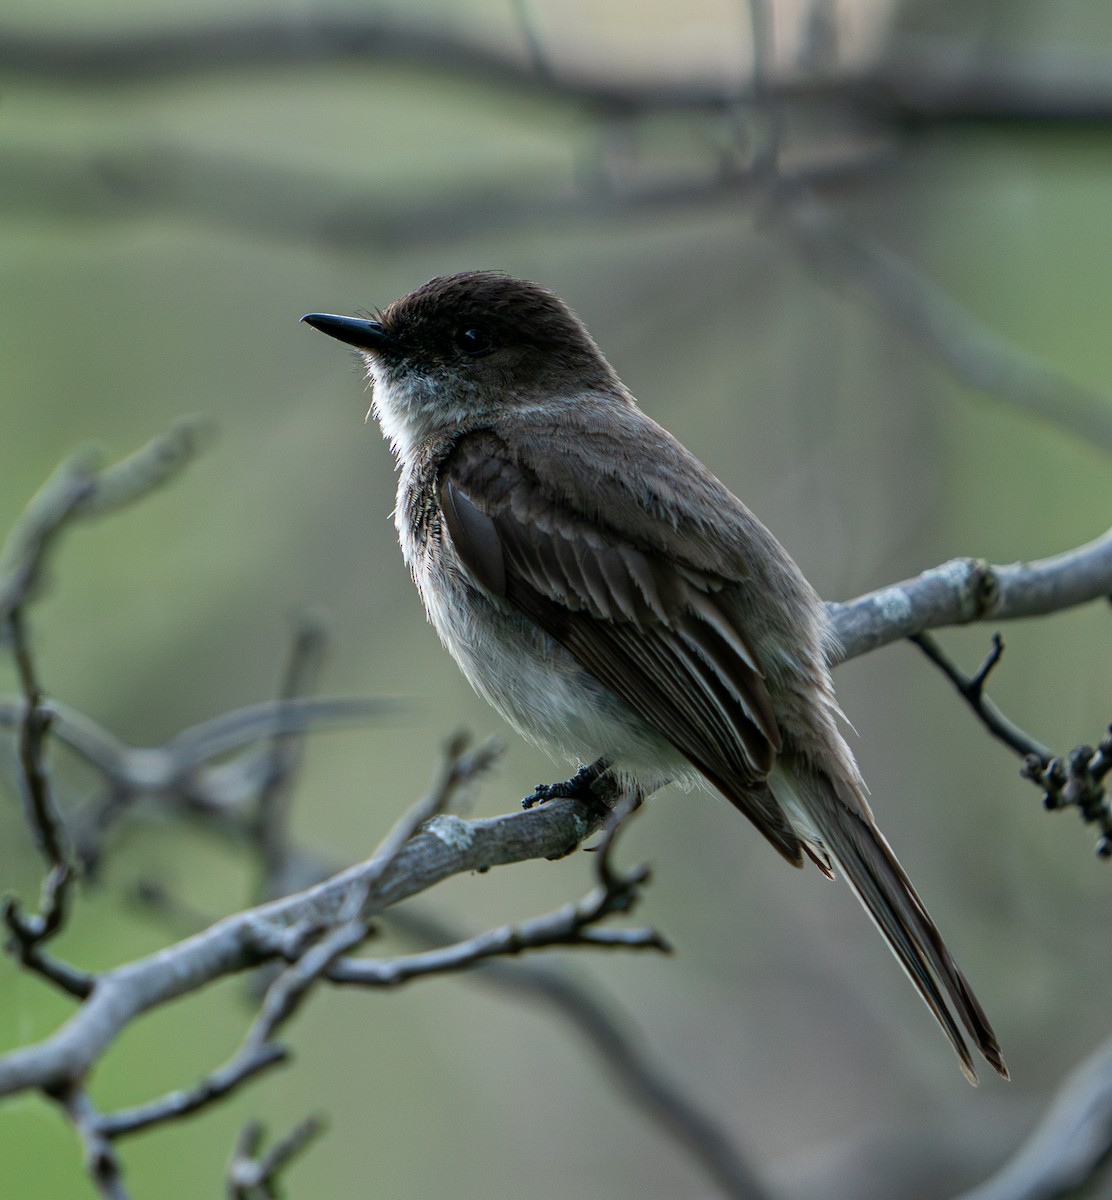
578,787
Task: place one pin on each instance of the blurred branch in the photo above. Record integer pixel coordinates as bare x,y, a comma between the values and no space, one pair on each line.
101,1161
78,489
978,357
1071,1149
965,590
182,770
923,83
950,81
226,192
927,82
613,1046
269,824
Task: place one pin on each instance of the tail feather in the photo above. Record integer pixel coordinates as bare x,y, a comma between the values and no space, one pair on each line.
836,815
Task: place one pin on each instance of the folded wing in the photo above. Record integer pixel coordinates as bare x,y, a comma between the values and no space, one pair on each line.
652,629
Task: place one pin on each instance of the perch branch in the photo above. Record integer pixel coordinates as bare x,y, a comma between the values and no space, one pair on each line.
451,845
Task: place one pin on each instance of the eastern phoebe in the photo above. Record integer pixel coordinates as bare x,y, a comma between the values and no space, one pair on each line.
614,601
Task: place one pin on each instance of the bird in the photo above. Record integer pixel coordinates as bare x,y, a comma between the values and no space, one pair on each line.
614,601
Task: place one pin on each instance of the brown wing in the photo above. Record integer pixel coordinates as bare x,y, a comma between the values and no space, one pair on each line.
652,629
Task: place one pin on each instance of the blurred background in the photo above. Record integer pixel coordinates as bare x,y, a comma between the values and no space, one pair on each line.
849,280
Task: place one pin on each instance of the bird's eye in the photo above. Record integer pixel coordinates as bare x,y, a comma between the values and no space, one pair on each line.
473,340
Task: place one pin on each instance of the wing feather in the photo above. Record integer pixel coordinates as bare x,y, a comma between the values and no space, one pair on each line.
650,628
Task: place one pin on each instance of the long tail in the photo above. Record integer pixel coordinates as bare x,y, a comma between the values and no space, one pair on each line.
833,818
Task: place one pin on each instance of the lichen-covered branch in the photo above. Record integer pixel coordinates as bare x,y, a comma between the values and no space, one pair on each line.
966,590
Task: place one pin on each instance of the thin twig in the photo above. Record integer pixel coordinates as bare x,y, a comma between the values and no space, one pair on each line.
26,943
253,1058
259,1051
1076,782
972,689
567,926
30,933
250,1177
42,813
269,825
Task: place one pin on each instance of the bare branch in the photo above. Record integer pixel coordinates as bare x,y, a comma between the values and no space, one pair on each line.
977,356
570,925
965,590
254,1057
1078,782
448,846
259,1051
317,949
77,489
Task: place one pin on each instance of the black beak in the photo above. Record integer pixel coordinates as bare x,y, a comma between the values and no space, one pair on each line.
366,335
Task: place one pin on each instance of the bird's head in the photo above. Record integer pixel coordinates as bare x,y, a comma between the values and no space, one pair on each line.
464,351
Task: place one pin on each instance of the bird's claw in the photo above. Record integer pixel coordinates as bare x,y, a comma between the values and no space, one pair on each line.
578,787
